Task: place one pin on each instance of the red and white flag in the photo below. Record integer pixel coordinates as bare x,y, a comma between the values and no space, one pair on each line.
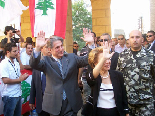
48,16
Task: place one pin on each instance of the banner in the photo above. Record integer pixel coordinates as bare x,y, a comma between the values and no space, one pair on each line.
9,10
48,16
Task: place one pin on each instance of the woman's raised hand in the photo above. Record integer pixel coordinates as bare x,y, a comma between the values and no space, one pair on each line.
106,50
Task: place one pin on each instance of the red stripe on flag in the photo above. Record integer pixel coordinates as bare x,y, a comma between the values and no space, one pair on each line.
61,16
25,107
32,15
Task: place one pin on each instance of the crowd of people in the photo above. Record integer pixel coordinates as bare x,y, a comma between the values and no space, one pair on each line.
108,77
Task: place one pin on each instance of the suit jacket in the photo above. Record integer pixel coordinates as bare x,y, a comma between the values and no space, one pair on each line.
114,61
118,88
53,95
153,48
36,90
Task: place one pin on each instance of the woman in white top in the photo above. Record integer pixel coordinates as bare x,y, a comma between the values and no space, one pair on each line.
108,91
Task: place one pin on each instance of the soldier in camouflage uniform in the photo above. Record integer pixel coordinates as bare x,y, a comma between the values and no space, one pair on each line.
137,66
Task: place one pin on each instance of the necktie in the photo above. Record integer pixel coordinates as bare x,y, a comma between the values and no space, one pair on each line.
43,82
60,67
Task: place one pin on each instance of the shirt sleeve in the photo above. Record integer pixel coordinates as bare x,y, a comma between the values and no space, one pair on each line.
3,42
36,54
118,64
4,70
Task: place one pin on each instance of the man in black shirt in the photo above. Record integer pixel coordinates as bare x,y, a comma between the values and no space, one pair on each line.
10,32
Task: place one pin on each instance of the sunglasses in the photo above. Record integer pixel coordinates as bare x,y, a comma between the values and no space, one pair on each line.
120,38
147,36
75,46
101,40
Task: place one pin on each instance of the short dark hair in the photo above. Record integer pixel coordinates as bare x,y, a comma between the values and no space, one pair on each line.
144,36
8,47
29,40
28,44
94,34
75,42
121,35
8,28
106,34
151,31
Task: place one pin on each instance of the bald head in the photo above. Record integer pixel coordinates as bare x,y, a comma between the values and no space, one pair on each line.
135,31
136,40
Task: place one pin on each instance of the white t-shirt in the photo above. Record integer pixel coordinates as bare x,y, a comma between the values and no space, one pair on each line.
24,57
12,71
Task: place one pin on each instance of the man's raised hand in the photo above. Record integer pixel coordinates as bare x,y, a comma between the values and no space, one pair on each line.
40,40
87,36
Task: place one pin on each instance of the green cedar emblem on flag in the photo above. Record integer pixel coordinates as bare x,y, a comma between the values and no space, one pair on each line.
25,90
44,5
2,3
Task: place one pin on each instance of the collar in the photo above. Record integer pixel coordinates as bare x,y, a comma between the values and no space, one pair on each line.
152,42
141,53
120,46
91,46
9,59
56,59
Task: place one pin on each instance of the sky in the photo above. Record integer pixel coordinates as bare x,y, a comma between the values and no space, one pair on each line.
125,14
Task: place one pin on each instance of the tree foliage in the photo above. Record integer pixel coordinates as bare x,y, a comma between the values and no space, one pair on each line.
82,18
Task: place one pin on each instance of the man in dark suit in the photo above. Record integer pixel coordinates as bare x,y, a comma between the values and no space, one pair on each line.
62,95
38,85
150,38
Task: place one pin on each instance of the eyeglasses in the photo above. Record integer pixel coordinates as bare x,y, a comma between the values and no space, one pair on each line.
101,40
120,38
147,36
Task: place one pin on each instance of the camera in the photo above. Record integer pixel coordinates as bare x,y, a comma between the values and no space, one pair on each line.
13,31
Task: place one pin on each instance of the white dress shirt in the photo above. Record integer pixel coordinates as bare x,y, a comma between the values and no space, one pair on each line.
119,49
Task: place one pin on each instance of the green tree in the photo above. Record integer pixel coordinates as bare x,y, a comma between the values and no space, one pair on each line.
44,5
82,18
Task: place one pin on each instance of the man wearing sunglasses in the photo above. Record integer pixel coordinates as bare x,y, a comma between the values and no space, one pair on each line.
82,71
150,38
106,37
121,44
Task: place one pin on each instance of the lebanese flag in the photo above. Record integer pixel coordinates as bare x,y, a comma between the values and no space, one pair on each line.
48,16
9,11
